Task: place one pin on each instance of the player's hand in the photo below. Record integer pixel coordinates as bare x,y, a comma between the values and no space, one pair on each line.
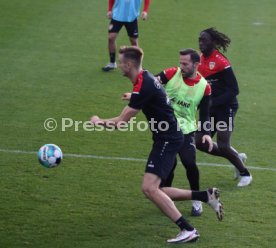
126,96
144,15
96,120
109,14
208,139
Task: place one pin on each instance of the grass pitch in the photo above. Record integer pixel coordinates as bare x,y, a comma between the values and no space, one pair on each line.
51,54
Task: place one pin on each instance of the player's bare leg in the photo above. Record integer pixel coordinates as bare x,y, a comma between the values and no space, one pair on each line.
151,190
112,51
133,41
163,198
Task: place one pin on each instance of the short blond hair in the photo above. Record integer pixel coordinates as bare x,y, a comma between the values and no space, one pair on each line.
132,53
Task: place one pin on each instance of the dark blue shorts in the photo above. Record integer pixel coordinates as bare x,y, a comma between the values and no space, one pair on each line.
162,156
131,27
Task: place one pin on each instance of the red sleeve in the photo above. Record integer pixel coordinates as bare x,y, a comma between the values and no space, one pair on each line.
208,90
110,5
170,72
138,85
222,62
146,5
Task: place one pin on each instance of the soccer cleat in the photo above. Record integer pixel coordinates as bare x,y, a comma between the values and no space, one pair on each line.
196,208
214,202
245,181
184,237
243,158
110,66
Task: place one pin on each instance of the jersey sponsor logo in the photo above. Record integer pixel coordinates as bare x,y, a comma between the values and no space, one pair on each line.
157,84
151,165
212,65
181,103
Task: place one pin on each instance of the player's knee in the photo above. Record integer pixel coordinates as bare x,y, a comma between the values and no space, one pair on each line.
148,190
111,37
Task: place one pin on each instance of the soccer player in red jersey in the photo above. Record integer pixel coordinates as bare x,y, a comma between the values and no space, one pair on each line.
216,68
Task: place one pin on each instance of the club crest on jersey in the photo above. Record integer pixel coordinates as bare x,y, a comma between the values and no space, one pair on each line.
157,84
212,65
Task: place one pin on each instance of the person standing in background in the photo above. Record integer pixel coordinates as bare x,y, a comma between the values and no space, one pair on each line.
123,13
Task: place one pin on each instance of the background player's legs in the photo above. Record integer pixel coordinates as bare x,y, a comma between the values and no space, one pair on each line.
132,32
114,29
204,147
112,46
223,146
223,149
133,41
187,155
188,158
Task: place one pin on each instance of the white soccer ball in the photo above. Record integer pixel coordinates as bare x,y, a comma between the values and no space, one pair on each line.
49,155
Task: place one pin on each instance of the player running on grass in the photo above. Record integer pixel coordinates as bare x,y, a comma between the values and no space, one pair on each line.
188,92
216,68
149,96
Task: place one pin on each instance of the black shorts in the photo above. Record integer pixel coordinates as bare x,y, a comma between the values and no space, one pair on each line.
131,27
222,118
162,157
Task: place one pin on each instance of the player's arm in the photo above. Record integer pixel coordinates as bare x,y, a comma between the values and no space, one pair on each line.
204,117
232,88
122,119
126,96
165,76
110,6
144,14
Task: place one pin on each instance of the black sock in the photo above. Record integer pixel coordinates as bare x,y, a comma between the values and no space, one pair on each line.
200,196
112,57
245,172
183,224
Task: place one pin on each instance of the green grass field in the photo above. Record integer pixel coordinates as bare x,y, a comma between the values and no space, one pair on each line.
51,54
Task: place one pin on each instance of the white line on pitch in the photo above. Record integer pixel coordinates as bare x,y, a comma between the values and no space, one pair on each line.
132,159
